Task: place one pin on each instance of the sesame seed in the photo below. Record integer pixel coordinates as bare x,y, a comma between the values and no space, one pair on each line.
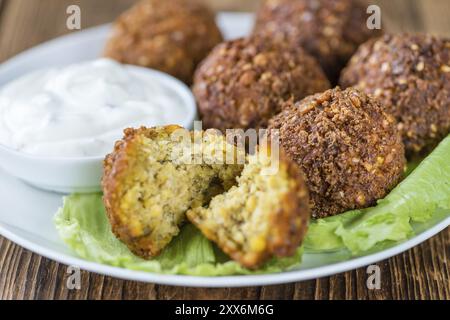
378,92
385,67
327,31
445,68
433,128
420,66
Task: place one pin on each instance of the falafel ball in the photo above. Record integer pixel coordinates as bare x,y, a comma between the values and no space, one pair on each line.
410,75
347,145
172,36
330,30
242,83
263,216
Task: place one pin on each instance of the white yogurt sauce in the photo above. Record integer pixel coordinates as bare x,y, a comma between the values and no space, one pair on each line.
82,109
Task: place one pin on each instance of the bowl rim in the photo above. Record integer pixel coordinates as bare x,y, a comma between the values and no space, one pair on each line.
182,90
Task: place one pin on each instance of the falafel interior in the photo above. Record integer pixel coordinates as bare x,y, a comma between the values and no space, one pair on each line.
265,215
149,184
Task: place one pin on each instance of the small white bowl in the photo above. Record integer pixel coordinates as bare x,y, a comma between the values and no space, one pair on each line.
82,175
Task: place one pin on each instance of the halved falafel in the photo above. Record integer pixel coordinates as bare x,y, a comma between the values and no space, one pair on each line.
264,215
347,145
410,75
151,180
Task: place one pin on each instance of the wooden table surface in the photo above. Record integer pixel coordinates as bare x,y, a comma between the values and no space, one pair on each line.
420,273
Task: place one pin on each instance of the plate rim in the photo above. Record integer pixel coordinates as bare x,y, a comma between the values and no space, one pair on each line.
201,281
226,281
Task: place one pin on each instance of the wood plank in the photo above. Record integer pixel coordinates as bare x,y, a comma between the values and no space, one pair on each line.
421,273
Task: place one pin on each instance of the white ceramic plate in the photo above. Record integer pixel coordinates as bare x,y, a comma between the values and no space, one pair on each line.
26,213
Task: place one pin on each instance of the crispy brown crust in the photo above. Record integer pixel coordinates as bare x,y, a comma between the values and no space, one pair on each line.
172,36
329,30
347,146
410,75
116,167
289,223
242,83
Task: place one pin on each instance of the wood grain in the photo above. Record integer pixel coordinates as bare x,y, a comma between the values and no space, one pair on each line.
420,273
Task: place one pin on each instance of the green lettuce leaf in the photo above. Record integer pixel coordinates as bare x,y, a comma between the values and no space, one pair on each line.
423,194
84,227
